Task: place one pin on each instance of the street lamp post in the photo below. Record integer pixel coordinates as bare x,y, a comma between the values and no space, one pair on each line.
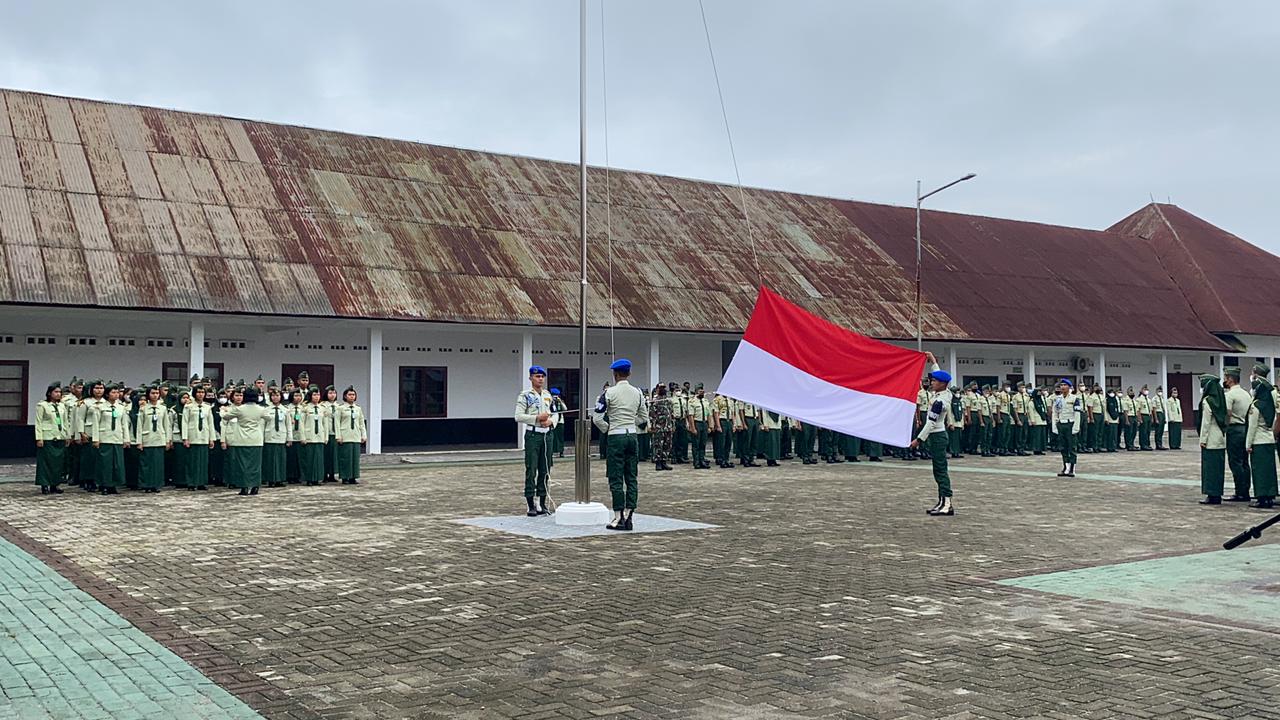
919,201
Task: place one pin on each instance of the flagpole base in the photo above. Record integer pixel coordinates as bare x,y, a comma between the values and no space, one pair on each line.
576,513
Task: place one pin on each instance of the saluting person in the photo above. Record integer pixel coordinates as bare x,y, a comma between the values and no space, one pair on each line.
933,435
51,440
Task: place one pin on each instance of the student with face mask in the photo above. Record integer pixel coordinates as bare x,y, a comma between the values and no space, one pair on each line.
1111,432
1173,411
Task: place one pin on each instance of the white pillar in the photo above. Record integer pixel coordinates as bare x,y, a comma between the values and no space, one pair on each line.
952,366
1164,374
653,362
1029,372
1101,372
374,404
522,375
195,359
1222,361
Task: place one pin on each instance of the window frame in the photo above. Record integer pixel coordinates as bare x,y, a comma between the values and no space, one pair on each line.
186,374
26,390
400,393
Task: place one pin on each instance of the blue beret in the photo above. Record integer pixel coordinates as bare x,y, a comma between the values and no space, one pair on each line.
537,370
1068,382
941,375
621,364
555,391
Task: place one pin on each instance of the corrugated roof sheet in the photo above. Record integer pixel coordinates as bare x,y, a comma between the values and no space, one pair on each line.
123,206
1227,280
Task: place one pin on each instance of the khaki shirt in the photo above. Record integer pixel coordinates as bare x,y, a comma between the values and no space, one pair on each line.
530,404
351,423
277,426
1142,404
1019,403
748,410
51,421
1002,402
625,405
701,410
246,424
314,425
1094,403
333,427
1259,433
725,408
153,426
1126,406
1211,436
1173,407
922,400
86,411
1065,409
770,420
983,403
1238,404
70,414
197,423
110,423
938,409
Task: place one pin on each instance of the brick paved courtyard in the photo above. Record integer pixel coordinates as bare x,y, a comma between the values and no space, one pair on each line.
824,592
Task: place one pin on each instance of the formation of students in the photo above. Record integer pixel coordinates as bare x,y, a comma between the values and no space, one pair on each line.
104,436
1238,427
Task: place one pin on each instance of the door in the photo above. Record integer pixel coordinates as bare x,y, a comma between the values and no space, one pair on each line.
321,376
566,379
1182,381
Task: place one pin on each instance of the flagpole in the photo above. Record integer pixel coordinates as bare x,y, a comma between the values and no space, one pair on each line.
582,436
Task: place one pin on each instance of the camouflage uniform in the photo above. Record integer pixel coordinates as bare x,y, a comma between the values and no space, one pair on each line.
662,425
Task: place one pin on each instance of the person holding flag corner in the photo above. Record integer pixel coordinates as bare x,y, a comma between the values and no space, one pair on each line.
933,435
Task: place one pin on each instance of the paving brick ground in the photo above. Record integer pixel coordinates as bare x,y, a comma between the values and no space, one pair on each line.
825,592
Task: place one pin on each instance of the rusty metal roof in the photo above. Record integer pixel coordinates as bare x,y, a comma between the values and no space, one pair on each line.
114,205
1227,280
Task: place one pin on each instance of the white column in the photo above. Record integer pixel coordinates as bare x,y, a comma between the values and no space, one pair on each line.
952,366
1164,373
653,362
374,403
522,375
195,360
1222,360
1101,372
1029,371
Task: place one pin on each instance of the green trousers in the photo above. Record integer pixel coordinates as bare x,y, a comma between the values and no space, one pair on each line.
89,465
1010,432
1144,431
1175,435
197,470
1131,434
753,438
937,445
1262,465
1238,459
1067,443
71,463
700,442
151,468
1157,430
311,463
772,441
851,446
50,460
1096,441
1023,427
110,465
1111,433
645,441
955,437
804,446
275,463
537,462
724,442
331,457
1213,471
680,442
622,467
176,468
349,459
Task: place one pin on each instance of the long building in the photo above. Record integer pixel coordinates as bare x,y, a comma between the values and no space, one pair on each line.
142,243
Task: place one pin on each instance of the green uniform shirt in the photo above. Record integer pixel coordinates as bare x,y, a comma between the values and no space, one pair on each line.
242,425
625,405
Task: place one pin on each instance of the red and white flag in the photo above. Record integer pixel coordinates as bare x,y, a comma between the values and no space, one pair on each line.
795,363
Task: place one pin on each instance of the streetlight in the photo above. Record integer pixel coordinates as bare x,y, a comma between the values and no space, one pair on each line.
920,199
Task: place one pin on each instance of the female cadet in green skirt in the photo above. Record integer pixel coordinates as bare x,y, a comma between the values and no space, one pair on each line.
292,469
1213,439
1261,437
351,431
331,447
242,425
197,440
314,433
86,411
152,435
111,433
51,440
276,437
175,466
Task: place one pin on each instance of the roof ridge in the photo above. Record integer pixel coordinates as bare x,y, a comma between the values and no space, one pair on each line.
1198,270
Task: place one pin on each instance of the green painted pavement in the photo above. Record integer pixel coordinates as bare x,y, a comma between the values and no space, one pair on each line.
1232,585
63,654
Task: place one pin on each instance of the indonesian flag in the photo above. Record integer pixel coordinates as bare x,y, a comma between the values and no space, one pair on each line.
795,363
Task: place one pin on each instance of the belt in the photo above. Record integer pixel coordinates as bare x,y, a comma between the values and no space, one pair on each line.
533,429
622,431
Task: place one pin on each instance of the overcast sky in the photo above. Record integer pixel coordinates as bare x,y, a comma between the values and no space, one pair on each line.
1070,112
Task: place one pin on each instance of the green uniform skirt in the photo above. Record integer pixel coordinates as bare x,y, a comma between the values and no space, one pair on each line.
110,465
311,462
178,464
330,457
49,462
1213,471
244,466
274,464
196,473
349,460
1262,464
151,468
88,465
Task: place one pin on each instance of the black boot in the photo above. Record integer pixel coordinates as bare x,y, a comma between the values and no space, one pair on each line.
253,491
626,523
542,505
55,490
618,522
1212,500
44,489
533,510
244,491
1263,503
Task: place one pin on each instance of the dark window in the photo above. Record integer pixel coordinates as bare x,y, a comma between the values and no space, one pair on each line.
424,392
13,392
176,373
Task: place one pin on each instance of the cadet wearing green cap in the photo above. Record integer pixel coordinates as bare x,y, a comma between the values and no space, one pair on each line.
933,435
617,416
243,422
1174,412
1213,440
51,440
331,447
1261,437
71,462
701,415
352,431
533,411
197,439
277,436
111,435
153,436
1238,404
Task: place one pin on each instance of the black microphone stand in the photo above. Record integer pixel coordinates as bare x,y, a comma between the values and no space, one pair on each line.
1252,533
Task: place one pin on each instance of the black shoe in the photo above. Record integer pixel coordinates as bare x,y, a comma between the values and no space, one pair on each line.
252,491
1239,498
113,491
244,491
44,489
1212,500
852,459
103,491
1038,452
618,524
1263,504
533,510
787,457
542,505
55,490
312,483
875,459
626,524
203,488
771,463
